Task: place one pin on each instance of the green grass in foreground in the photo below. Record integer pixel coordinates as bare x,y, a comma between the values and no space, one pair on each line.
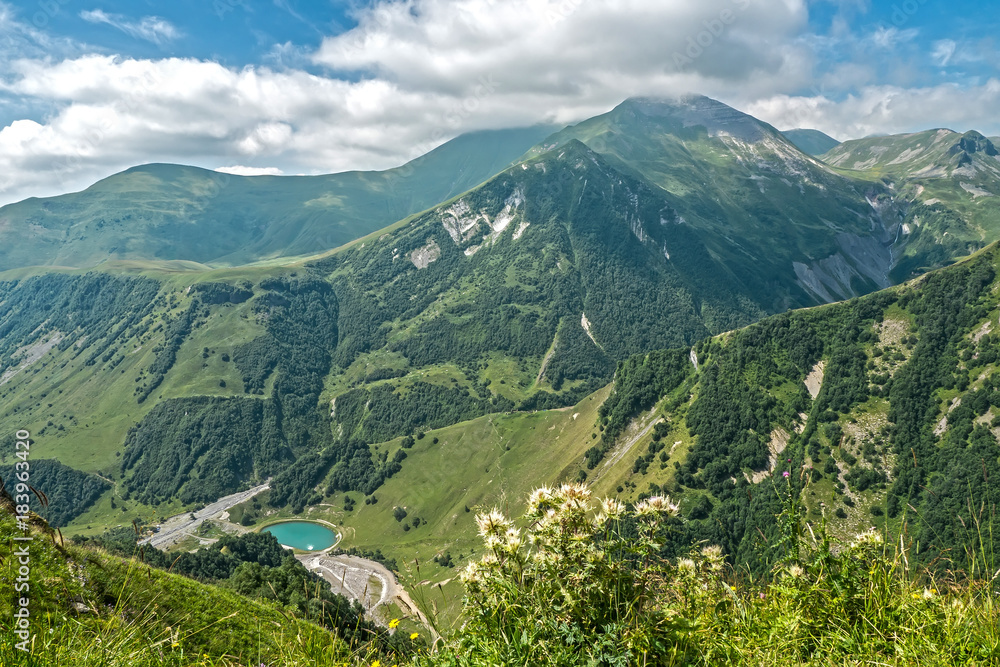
581,583
90,609
575,582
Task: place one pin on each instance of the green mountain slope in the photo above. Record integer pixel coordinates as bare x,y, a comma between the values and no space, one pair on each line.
884,410
760,204
180,384
172,212
813,142
945,186
522,293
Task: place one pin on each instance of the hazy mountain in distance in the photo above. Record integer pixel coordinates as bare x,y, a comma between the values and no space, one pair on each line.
174,212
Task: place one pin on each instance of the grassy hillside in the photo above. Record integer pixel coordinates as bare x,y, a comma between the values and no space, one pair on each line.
171,212
176,384
813,142
89,608
882,410
844,398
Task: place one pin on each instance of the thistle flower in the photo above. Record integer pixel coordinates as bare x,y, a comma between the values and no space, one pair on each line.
512,540
869,537
794,571
540,498
612,508
686,565
492,523
471,574
656,505
574,491
713,556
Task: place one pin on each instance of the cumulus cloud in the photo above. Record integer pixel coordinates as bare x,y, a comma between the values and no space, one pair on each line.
150,28
887,110
414,73
890,37
408,77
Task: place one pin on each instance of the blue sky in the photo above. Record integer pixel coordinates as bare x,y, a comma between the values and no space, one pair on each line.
90,87
232,32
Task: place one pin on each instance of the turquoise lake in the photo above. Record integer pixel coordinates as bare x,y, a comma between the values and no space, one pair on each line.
304,535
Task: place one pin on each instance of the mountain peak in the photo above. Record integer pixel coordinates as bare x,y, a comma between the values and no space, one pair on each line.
698,110
974,142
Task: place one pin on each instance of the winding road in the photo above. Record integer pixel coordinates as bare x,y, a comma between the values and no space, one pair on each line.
176,528
351,576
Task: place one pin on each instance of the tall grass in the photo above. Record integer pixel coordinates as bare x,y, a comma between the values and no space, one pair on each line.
91,609
576,581
582,584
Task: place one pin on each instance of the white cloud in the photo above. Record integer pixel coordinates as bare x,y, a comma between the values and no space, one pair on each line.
240,170
567,47
414,73
889,38
944,49
431,69
887,110
150,28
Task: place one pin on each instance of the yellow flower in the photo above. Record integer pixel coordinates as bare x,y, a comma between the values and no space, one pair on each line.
414,636
394,623
376,663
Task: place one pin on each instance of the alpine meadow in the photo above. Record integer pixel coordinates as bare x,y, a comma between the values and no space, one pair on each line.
578,382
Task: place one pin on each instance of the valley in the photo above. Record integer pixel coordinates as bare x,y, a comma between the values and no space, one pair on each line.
668,299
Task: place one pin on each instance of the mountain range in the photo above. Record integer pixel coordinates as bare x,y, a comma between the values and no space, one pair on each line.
177,213
171,334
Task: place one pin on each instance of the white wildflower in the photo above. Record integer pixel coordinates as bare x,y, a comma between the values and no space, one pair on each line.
612,508
492,523
713,556
686,565
512,540
869,537
540,498
655,506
